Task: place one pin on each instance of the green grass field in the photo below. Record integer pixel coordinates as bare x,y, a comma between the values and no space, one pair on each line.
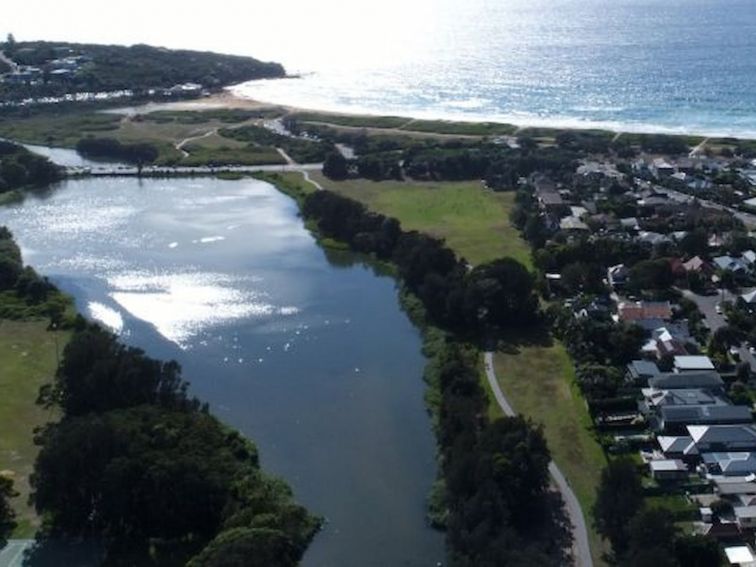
538,380
28,355
473,221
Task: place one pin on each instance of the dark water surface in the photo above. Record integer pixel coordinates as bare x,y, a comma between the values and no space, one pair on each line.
311,357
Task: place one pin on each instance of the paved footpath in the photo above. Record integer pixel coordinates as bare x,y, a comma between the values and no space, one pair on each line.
581,548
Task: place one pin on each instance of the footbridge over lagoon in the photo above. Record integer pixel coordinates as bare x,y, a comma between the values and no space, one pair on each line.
183,171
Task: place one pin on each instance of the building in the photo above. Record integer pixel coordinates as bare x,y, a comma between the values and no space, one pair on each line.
687,380
668,469
629,312
676,418
617,276
697,363
678,447
745,516
740,555
739,464
730,264
723,438
641,371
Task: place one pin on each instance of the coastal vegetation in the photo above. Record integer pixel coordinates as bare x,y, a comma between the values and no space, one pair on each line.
20,168
137,68
109,148
300,150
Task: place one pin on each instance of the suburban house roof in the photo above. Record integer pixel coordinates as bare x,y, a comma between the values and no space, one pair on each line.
682,397
735,464
572,223
725,487
643,369
686,380
749,297
644,310
695,264
679,445
691,362
667,465
739,554
735,436
705,414
730,264
748,512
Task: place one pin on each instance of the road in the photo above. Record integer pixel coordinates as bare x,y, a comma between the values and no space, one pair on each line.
747,219
707,305
12,555
128,171
580,546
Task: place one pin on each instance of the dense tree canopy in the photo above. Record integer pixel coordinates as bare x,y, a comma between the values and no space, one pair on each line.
619,497
21,168
7,515
136,463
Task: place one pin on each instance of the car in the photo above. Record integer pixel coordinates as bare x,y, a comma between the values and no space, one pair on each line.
735,352
718,308
752,350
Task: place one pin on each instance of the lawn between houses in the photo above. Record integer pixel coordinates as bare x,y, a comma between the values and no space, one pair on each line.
29,359
538,377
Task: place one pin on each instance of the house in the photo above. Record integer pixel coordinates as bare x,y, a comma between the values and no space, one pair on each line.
696,265
730,264
630,223
617,275
749,257
740,555
749,204
730,464
728,487
641,371
573,224
662,168
687,380
653,238
745,516
693,363
717,241
678,447
653,399
665,340
676,418
723,438
668,469
749,298
629,312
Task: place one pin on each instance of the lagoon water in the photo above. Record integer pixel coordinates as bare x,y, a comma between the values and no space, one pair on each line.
305,352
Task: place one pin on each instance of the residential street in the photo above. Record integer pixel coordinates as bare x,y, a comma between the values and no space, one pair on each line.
707,304
581,548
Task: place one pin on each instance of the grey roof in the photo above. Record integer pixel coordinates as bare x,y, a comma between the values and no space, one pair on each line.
643,368
740,436
683,397
705,414
736,487
683,445
674,380
734,464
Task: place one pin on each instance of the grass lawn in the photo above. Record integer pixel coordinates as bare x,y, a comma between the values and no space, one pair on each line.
473,221
27,352
538,381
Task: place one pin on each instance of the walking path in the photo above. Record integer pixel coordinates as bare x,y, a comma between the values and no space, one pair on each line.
180,145
580,546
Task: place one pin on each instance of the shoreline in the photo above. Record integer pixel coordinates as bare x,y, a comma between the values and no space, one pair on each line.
233,96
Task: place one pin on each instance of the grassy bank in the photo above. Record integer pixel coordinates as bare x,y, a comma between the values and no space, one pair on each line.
474,222
28,354
538,379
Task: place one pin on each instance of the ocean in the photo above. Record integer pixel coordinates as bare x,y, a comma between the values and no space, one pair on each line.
677,66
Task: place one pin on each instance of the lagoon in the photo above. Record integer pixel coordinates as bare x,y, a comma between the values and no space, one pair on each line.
306,352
